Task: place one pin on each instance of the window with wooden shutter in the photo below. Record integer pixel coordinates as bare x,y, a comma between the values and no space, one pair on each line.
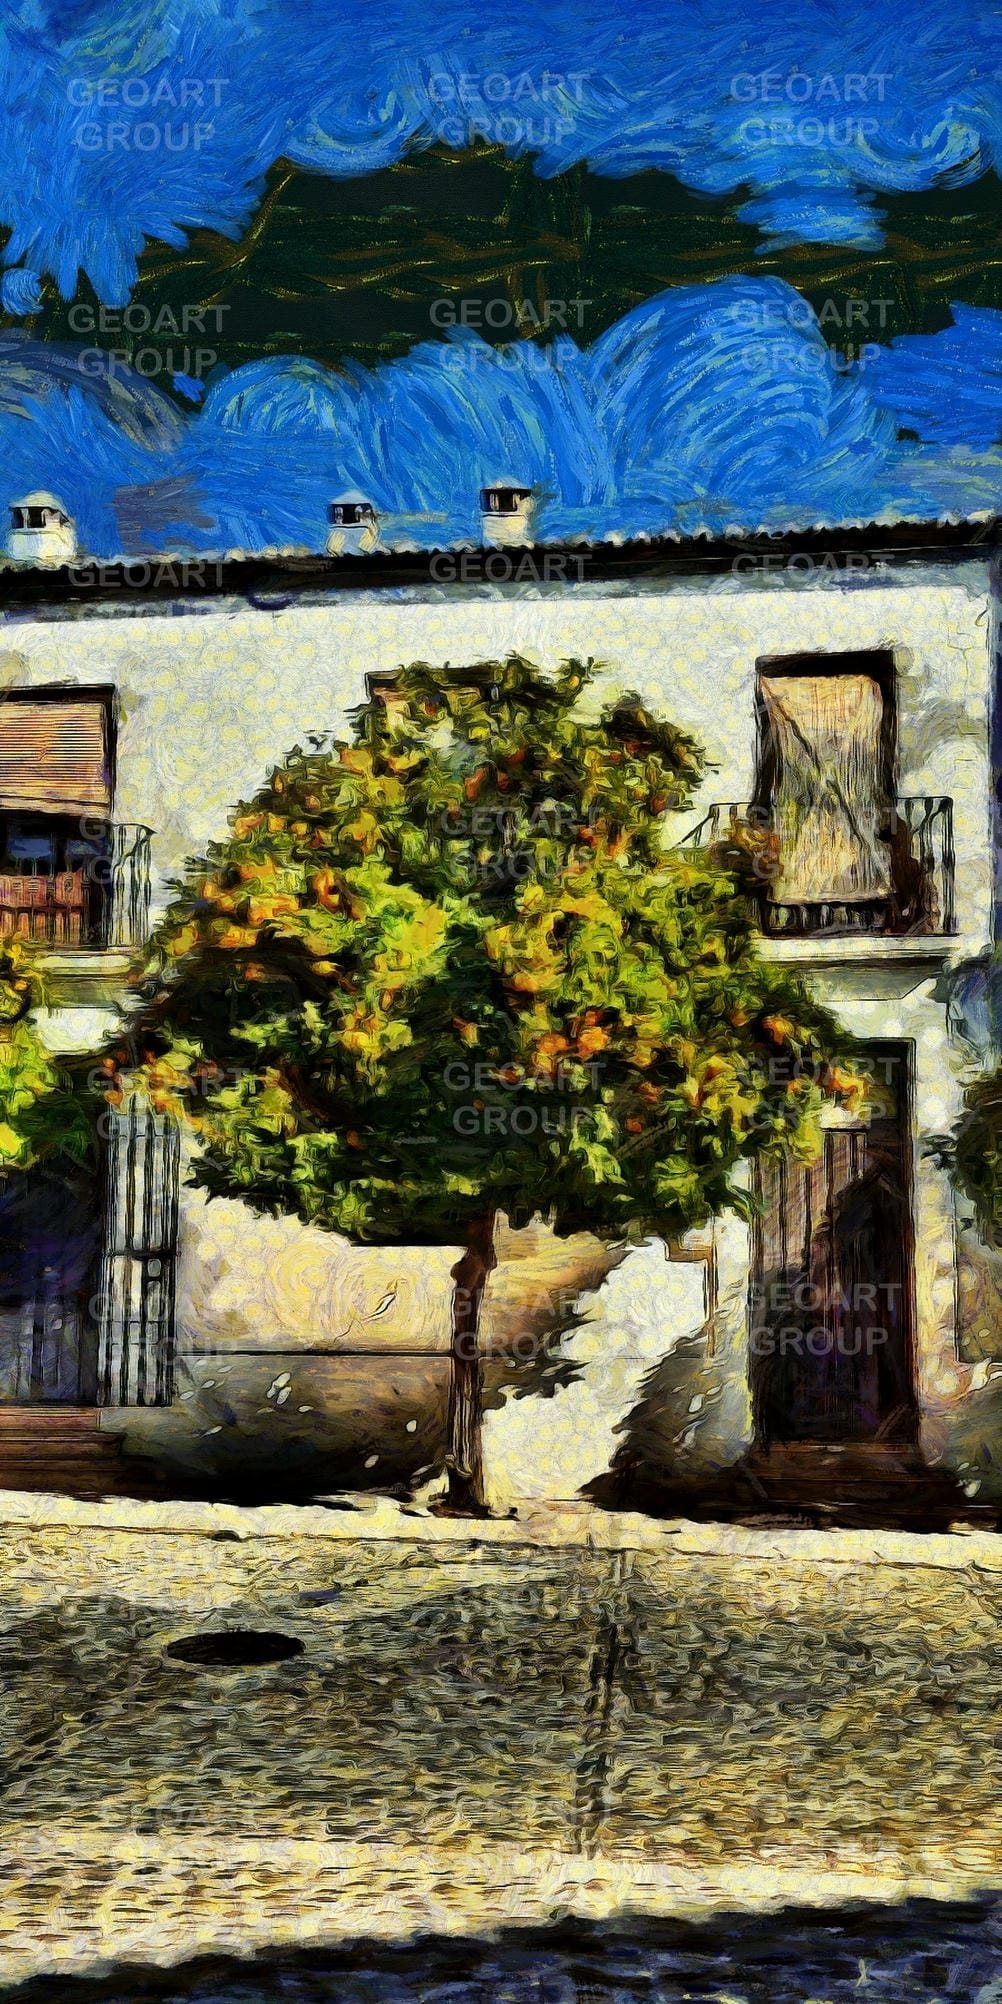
56,785
56,753
831,800
826,784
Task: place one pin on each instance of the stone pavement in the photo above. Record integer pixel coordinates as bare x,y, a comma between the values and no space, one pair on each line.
487,1726
920,1953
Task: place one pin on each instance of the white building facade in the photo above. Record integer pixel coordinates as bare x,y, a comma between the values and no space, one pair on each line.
138,707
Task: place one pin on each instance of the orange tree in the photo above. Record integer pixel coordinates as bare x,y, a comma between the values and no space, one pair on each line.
448,967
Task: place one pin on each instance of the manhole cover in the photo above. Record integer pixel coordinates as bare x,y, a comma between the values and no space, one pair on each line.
234,1648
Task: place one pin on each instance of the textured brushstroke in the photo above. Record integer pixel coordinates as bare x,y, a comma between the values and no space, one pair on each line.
680,90
478,1738
716,408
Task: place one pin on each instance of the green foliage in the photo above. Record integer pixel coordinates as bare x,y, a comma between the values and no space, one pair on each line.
450,966
973,1154
42,1108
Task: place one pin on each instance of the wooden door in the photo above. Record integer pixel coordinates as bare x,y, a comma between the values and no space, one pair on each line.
830,1304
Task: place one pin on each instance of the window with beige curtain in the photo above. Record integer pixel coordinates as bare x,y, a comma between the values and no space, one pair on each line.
831,803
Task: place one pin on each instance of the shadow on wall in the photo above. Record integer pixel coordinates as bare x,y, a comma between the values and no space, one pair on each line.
307,1365
969,1432
692,1420
688,1444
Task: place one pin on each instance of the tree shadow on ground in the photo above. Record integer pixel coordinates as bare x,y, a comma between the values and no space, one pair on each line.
929,1951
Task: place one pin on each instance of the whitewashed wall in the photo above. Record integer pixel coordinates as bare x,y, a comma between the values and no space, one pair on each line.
212,698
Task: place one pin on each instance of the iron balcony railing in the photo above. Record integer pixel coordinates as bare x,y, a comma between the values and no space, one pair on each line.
919,846
103,900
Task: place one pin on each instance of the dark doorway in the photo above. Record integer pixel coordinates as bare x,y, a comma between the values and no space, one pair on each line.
830,1303
50,1239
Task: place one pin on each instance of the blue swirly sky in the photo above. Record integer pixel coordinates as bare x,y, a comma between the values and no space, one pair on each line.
712,407
814,110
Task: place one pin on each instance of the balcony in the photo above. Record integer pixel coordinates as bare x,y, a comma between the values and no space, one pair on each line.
917,843
99,902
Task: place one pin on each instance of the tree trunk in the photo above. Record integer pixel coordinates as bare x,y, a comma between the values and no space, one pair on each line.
464,1452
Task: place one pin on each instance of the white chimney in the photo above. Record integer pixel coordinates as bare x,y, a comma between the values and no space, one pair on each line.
505,512
354,527
40,531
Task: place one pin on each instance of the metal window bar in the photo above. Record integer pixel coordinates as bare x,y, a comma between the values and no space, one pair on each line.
138,1340
127,899
923,866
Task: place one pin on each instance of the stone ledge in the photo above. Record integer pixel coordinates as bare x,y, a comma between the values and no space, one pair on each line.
82,977
864,949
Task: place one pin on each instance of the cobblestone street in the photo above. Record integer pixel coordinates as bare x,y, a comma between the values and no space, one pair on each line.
921,1954
485,1732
